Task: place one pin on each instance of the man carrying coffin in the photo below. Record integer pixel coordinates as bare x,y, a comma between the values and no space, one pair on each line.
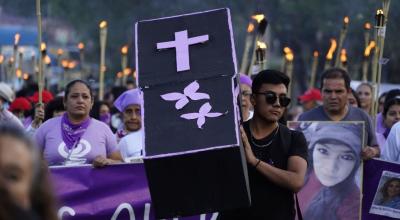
276,156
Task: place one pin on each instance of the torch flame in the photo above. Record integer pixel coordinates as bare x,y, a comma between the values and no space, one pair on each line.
367,26
127,71
124,49
64,63
368,49
60,51
343,55
18,72
250,28
71,64
315,54
81,46
17,36
47,60
103,24
346,20
287,50
332,49
261,45
42,47
289,57
25,76
258,17
1,59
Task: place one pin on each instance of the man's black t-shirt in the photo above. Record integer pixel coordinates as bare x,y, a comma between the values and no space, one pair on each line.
268,200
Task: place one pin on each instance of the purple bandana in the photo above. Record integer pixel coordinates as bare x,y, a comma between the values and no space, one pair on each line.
72,133
121,133
106,118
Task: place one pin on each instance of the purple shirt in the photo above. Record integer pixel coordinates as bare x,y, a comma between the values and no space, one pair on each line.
97,140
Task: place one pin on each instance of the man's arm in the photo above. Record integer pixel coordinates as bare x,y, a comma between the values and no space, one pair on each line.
293,178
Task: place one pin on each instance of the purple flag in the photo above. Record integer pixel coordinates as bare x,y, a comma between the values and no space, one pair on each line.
115,192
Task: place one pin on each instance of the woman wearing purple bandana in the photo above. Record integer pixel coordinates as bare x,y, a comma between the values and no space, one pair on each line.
130,135
128,103
75,138
101,112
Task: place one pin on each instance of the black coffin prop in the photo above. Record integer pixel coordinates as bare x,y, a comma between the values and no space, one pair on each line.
193,159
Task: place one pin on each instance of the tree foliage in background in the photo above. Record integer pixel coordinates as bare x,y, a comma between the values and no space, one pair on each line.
304,26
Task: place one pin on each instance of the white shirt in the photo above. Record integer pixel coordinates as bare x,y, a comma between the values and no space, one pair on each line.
131,146
391,149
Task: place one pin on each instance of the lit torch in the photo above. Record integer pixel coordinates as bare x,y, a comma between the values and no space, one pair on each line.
124,62
343,59
289,56
329,55
261,28
248,42
367,29
17,37
314,68
103,40
42,55
367,53
381,19
342,36
81,48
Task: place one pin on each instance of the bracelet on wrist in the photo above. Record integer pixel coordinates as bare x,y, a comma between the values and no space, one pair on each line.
258,162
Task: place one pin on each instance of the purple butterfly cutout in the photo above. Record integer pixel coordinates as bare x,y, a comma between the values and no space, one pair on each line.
190,91
202,114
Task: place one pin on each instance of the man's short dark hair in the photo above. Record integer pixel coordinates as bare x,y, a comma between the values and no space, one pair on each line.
336,73
269,77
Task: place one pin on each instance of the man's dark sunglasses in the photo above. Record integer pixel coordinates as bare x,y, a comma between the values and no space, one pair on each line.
271,97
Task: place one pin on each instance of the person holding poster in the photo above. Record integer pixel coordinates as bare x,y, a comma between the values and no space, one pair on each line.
330,191
75,138
276,156
391,150
335,90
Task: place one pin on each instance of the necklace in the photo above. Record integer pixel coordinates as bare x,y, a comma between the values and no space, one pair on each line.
252,139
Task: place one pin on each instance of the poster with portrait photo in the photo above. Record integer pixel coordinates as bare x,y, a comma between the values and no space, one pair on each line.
330,190
387,196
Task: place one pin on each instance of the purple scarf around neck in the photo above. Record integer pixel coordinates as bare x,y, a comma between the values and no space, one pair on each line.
71,133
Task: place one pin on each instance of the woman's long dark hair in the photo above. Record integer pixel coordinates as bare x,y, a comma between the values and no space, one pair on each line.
42,200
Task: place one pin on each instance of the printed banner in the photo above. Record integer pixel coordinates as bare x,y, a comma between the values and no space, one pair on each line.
381,185
331,190
117,192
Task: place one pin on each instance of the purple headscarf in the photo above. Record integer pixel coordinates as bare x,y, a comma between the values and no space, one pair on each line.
71,133
129,97
244,79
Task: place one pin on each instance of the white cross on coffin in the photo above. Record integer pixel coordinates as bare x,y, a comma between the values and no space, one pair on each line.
181,45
